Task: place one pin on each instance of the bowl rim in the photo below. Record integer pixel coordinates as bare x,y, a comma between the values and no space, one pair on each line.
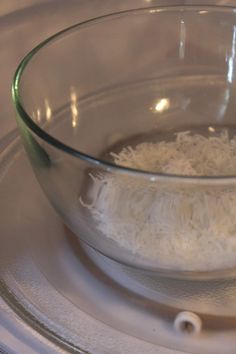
103,164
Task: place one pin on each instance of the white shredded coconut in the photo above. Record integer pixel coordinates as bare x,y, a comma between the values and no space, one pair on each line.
180,226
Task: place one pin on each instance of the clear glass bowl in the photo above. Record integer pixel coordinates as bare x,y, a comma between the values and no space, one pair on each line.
138,75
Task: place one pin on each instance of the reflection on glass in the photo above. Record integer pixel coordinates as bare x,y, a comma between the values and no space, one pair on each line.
153,11
73,107
182,40
231,59
48,110
38,115
162,105
223,105
211,129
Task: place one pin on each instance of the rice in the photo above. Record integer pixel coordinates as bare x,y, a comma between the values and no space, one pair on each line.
185,227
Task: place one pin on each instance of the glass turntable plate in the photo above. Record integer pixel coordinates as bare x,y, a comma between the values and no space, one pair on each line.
66,297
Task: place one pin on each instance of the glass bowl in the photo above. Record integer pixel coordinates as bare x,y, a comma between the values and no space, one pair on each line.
135,76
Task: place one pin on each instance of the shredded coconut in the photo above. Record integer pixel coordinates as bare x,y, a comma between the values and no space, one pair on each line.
180,226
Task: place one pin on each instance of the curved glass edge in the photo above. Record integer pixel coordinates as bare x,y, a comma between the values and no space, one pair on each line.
17,336
47,333
109,166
